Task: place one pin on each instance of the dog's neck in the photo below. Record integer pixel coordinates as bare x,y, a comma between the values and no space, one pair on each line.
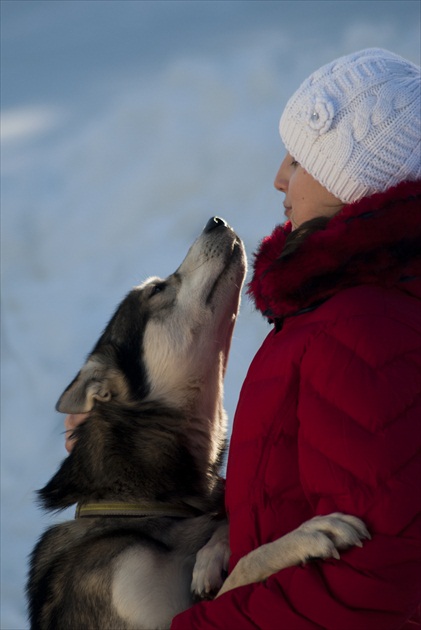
199,398
132,454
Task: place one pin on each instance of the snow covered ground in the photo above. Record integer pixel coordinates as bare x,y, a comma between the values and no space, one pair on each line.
125,126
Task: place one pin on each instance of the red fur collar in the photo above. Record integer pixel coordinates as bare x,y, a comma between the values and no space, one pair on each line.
376,240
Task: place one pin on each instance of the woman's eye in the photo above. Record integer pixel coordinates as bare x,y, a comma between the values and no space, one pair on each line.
157,289
294,163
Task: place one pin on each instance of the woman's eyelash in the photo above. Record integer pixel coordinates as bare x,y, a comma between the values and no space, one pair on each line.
294,163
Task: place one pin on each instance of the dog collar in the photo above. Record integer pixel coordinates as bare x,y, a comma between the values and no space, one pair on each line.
120,508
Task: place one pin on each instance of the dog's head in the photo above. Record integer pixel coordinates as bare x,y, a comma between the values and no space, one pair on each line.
169,339
153,383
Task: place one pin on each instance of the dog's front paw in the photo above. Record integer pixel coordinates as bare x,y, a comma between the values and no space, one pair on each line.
211,565
328,534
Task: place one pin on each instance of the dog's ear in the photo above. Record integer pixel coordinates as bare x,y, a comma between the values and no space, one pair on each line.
95,381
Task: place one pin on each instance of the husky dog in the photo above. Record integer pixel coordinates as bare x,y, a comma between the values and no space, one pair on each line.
144,468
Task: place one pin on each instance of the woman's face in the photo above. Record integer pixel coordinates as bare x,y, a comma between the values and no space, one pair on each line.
305,198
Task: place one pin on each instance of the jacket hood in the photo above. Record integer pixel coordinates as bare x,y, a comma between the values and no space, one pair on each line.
376,240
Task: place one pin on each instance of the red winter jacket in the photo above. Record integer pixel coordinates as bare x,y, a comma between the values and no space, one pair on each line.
329,419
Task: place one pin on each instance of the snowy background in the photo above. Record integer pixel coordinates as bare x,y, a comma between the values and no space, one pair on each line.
125,126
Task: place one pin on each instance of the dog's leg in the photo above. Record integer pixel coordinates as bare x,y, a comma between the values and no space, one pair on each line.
320,537
211,563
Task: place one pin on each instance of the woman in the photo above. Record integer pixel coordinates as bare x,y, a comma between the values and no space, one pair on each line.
329,414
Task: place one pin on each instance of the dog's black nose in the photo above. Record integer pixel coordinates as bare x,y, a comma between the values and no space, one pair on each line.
213,223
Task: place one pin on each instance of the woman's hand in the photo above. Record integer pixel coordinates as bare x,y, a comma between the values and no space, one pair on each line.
70,423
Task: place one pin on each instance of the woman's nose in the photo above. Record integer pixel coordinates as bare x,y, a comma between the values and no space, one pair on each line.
280,182
281,179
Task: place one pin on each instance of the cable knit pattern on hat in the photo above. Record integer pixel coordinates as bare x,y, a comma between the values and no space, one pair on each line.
355,124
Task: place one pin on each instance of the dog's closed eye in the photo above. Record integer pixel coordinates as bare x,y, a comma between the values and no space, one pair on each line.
157,288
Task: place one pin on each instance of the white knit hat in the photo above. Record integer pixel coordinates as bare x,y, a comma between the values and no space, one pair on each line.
355,124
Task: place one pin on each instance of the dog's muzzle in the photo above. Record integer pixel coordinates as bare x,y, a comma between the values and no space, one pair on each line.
213,223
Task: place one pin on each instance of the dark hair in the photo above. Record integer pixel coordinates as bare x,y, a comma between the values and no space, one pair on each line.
295,239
